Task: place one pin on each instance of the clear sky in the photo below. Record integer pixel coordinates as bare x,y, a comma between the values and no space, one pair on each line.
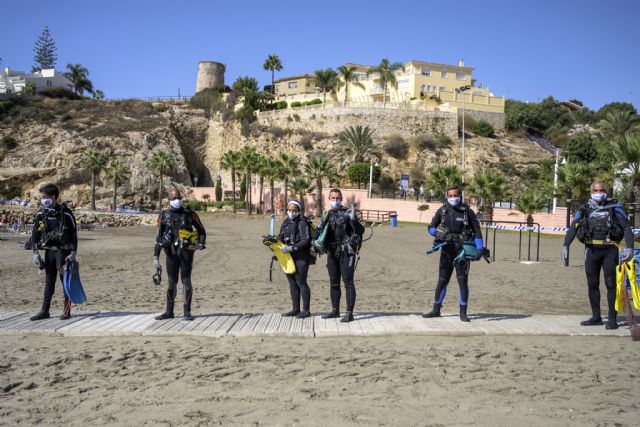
526,50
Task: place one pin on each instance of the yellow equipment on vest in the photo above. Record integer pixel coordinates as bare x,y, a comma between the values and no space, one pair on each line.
188,239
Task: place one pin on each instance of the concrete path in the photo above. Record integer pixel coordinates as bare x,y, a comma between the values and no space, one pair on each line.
93,324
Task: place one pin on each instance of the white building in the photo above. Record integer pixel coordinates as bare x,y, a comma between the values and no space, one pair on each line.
12,81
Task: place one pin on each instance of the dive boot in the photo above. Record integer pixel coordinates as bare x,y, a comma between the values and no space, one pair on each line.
303,314
612,322
433,313
463,314
335,313
347,317
41,315
291,313
592,321
187,316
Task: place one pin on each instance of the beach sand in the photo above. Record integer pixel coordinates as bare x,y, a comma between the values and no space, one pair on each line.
399,380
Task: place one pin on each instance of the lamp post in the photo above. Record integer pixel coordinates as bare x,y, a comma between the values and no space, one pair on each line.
460,91
371,174
555,180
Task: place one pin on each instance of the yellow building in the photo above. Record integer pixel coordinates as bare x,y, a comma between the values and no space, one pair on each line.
420,84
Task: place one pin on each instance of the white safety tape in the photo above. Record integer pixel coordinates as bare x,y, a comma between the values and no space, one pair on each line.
524,227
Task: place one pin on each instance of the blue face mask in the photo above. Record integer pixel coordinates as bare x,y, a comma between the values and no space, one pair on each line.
46,202
453,201
598,197
176,203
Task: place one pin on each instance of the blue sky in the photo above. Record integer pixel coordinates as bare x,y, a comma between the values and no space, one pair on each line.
525,50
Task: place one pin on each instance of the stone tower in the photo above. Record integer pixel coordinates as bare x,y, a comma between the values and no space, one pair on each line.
210,74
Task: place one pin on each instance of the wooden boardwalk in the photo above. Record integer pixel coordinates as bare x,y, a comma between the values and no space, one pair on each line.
94,324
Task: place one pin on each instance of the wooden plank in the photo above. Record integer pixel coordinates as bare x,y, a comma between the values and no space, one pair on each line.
221,325
9,315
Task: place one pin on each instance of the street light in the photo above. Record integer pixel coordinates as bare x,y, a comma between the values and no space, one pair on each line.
371,174
460,90
195,181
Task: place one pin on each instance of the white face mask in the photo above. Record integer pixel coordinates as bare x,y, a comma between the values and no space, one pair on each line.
335,204
293,215
46,202
453,201
175,204
598,197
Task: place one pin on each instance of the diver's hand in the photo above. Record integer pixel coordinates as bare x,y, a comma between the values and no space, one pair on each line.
286,249
478,255
72,256
442,236
351,213
199,246
156,262
37,259
627,254
564,253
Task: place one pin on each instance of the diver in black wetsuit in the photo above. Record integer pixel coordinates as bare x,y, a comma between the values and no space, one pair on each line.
295,233
454,223
342,243
54,230
180,233
601,226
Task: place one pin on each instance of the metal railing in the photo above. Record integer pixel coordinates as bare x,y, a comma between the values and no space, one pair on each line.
153,98
350,104
522,226
376,215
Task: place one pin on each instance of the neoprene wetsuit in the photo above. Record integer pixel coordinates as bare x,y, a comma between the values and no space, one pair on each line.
296,234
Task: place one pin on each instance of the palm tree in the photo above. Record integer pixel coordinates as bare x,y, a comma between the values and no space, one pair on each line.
528,202
272,171
290,167
326,79
616,124
79,77
161,162
626,153
231,161
248,160
117,173
316,169
300,186
359,142
348,76
575,179
489,187
443,177
274,64
259,169
94,161
386,75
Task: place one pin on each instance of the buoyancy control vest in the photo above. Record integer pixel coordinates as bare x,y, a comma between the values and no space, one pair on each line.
467,229
599,225
179,232
54,228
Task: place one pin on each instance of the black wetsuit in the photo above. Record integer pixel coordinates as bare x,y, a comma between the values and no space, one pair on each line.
179,259
599,254
296,234
54,230
460,224
342,245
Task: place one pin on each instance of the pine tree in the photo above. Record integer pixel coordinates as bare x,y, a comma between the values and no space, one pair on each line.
45,52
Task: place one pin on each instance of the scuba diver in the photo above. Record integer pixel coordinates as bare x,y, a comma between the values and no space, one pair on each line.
453,224
600,225
295,234
54,230
180,233
342,242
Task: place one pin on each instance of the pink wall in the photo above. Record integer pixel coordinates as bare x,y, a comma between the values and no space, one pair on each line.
407,209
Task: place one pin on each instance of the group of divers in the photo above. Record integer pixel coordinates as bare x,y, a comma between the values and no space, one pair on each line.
599,224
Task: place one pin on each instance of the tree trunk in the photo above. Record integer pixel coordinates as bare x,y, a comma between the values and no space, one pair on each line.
93,190
324,97
384,99
286,191
272,185
233,188
273,88
302,208
115,188
346,90
247,197
160,193
261,203
319,197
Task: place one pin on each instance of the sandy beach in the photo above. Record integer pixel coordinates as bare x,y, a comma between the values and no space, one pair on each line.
399,380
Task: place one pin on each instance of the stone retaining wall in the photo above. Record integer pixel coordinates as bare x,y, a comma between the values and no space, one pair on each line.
496,119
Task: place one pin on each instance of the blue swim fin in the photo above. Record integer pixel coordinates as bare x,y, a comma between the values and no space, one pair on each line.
72,284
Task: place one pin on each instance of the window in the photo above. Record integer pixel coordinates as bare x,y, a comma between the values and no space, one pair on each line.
428,89
444,74
460,75
442,88
425,71
293,85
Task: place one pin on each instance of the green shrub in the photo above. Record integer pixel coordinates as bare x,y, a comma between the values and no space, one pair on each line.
9,142
396,147
295,104
59,92
160,108
47,116
444,140
315,101
208,99
425,142
281,105
483,128
66,117
296,117
218,190
358,173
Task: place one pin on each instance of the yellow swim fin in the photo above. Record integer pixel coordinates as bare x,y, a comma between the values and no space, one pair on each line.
633,283
285,260
620,273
